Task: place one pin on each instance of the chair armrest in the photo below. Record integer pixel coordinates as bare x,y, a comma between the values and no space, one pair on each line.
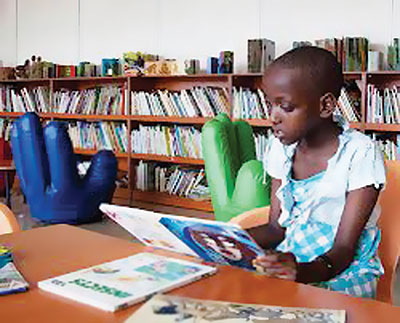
252,218
250,190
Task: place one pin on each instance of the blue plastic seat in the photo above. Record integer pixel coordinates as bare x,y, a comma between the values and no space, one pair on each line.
47,171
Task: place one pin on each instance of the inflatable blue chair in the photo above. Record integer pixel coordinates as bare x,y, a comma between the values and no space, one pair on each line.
47,170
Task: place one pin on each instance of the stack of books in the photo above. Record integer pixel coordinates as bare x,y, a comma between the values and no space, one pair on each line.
334,45
105,100
389,145
351,52
5,129
261,139
35,99
173,180
393,55
383,106
11,280
196,102
168,141
249,104
99,135
346,107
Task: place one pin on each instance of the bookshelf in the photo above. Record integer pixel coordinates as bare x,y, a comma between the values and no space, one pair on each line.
127,161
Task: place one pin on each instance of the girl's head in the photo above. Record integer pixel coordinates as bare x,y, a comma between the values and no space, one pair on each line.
303,86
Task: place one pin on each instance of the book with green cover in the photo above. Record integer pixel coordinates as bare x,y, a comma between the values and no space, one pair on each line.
117,284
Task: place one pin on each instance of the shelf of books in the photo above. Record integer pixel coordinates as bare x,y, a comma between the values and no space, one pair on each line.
168,199
153,123
168,159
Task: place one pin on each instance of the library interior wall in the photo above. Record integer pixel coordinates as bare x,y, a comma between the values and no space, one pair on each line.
69,31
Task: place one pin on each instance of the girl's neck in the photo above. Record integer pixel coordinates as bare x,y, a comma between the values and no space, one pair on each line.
321,136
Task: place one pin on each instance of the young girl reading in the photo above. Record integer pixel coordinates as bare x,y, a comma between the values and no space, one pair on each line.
325,181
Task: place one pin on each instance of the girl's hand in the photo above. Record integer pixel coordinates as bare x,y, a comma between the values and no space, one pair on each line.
277,264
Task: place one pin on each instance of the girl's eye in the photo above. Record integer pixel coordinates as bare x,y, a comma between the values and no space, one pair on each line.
287,107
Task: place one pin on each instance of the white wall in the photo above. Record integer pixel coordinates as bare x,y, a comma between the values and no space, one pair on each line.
8,30
68,31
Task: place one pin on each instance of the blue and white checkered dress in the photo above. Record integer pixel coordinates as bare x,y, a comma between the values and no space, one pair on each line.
311,209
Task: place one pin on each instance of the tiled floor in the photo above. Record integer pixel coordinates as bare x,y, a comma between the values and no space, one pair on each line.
110,228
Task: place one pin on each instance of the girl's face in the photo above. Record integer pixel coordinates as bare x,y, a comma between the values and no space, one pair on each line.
294,107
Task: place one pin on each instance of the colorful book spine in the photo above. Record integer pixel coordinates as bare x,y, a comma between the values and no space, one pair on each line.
106,100
99,135
260,53
184,182
225,62
212,65
168,141
196,102
36,99
383,105
249,104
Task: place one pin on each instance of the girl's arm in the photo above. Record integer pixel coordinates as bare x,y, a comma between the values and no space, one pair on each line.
271,234
357,210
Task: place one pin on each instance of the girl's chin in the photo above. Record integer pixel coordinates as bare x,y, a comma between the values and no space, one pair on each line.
286,141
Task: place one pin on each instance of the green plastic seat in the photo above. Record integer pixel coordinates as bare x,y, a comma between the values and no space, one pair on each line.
235,177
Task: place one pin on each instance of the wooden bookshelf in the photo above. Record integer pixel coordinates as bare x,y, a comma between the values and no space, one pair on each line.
382,127
126,161
92,152
168,159
165,119
167,199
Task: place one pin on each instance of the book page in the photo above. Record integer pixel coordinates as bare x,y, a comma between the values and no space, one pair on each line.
146,227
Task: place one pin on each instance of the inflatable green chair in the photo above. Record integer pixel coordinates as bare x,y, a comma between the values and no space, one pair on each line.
235,177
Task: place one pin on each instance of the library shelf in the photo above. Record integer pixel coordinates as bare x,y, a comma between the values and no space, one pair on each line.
127,161
168,159
258,122
11,115
382,127
69,116
84,117
80,151
173,200
356,125
169,119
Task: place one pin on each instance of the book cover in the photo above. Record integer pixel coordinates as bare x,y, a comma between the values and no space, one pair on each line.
260,53
170,309
213,241
11,281
117,284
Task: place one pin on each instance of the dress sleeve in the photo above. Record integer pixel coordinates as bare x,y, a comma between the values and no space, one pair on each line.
367,167
274,159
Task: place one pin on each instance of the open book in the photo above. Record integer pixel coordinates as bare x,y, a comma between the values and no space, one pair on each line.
213,241
123,282
171,309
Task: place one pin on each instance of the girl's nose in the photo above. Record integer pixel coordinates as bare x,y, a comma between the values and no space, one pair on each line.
275,117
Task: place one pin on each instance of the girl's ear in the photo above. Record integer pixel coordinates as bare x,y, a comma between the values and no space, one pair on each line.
328,105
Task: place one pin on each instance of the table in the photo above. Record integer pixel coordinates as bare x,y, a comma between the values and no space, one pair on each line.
46,252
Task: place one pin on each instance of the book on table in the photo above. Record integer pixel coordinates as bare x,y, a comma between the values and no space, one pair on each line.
171,309
11,280
117,284
213,241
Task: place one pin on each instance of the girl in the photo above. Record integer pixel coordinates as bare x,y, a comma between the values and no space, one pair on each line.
325,181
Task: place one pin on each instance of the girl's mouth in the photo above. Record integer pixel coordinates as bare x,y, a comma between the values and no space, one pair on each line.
278,133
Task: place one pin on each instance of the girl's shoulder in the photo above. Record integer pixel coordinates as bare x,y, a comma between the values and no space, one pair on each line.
353,142
276,156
